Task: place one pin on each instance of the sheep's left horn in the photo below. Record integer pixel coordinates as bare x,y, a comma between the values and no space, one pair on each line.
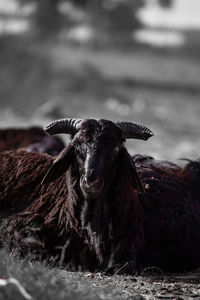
134,131
69,126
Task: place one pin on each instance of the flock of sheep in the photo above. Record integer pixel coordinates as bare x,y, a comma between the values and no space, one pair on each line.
94,206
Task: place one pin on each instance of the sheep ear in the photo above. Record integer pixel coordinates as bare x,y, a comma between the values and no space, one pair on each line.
137,184
60,164
132,171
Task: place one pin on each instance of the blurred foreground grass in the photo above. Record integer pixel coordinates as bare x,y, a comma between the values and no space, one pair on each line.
42,282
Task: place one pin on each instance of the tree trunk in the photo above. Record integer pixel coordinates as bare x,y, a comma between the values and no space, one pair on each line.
47,17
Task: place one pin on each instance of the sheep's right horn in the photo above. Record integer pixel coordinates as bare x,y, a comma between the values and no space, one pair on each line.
69,126
134,131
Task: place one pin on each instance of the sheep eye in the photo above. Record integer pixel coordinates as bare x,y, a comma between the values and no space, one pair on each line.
116,149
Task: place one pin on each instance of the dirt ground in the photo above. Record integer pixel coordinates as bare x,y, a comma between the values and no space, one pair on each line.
146,286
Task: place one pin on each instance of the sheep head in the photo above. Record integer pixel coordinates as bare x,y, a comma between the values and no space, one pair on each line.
95,144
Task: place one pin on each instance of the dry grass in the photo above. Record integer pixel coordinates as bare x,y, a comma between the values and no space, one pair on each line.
38,281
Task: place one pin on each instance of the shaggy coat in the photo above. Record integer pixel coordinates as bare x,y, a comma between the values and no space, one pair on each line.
119,227
171,207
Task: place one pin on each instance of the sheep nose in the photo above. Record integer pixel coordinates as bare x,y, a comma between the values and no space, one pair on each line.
91,178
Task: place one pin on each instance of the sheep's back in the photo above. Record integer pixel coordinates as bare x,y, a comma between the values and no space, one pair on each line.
171,214
20,176
15,138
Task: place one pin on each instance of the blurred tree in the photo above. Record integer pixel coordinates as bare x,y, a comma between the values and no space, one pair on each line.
123,15
119,16
165,3
116,16
81,3
47,7
46,17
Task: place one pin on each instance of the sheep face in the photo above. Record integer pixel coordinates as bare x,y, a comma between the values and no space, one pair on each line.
97,146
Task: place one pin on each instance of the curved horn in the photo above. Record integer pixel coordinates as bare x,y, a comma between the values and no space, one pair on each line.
134,131
69,126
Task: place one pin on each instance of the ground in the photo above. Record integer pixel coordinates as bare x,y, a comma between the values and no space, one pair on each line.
44,282
49,79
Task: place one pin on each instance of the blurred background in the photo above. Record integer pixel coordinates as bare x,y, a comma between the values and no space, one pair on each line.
131,60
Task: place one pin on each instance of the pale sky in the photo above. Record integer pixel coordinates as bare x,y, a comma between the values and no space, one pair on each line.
185,14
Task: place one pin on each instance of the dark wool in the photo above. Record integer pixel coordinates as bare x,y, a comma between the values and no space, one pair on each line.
171,206
29,139
158,228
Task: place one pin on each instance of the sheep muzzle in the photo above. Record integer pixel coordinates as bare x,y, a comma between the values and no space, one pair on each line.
91,188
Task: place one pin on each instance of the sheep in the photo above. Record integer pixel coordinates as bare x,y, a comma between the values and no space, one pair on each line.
97,208
30,139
